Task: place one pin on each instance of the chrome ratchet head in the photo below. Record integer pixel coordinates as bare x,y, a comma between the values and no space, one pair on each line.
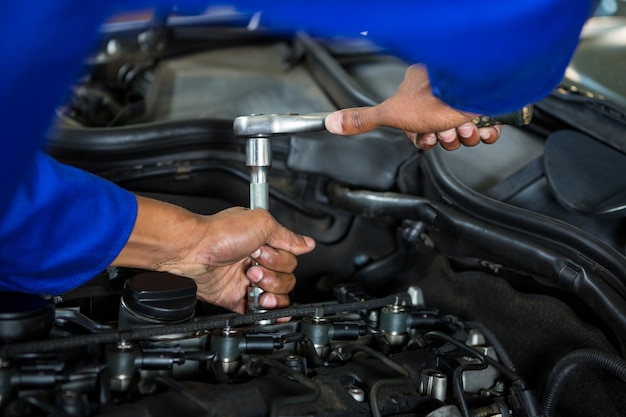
265,125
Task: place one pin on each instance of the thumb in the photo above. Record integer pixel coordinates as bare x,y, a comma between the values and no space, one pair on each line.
291,242
353,121
278,236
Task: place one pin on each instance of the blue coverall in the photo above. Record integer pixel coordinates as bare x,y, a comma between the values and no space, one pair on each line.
60,226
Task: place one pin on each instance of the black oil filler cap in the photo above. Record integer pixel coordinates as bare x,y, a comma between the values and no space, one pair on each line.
160,296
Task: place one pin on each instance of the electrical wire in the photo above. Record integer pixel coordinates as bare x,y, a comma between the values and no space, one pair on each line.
495,343
376,410
484,361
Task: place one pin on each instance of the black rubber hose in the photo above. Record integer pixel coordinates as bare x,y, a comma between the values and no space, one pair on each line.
495,343
342,89
565,367
107,143
457,233
550,230
377,204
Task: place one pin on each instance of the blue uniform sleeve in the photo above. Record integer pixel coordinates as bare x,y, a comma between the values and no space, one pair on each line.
63,227
486,57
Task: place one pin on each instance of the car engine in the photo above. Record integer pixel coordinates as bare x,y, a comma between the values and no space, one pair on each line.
440,286
353,356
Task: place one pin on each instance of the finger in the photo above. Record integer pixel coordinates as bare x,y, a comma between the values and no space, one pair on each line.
353,121
450,146
291,242
278,236
468,134
449,139
275,259
271,281
423,141
490,135
269,300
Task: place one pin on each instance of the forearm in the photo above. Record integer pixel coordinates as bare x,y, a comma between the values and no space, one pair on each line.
162,232
216,251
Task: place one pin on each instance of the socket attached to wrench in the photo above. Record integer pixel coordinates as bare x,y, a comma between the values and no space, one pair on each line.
259,128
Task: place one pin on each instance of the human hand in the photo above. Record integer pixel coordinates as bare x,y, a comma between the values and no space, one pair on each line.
239,238
414,110
466,134
217,251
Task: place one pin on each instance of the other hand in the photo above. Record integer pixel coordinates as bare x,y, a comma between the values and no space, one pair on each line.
414,110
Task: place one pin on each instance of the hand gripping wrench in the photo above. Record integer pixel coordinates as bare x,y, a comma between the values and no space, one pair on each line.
259,128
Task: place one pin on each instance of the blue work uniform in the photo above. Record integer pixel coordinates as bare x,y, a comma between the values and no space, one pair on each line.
60,226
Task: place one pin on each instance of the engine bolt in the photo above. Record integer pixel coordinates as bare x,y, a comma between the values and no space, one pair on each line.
357,393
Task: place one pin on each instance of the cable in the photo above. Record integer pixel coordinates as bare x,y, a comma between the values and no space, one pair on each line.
383,382
458,372
565,367
495,343
201,324
458,384
510,374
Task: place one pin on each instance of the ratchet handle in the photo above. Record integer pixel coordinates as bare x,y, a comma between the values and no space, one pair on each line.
521,117
267,125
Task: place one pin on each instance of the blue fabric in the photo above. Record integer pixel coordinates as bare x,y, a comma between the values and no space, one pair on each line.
63,227
487,57
59,226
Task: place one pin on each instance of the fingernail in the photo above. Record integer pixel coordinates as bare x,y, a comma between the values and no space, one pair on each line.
254,274
485,133
465,131
268,301
429,139
256,253
447,135
309,242
333,123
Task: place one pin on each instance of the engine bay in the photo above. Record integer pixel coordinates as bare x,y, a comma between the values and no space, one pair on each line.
355,355
441,286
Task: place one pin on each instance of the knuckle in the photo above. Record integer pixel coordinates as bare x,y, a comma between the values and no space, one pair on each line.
284,283
264,221
357,119
292,264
